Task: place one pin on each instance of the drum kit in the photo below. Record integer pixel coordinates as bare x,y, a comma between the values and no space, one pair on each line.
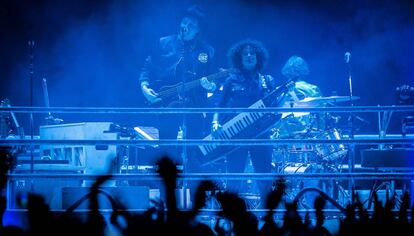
310,158
309,126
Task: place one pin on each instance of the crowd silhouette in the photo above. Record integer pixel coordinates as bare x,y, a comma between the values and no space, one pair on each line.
234,218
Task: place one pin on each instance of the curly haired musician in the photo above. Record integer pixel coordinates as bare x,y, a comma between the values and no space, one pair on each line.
242,89
179,58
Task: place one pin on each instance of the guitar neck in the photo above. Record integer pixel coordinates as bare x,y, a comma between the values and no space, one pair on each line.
178,88
184,87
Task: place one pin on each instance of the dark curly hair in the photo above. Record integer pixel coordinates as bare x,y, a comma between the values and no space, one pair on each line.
235,54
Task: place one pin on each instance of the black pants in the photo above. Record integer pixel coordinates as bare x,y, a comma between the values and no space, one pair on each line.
169,125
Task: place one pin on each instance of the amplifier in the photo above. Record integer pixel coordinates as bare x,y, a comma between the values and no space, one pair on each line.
389,158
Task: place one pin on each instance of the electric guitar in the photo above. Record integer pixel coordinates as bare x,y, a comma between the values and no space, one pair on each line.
176,91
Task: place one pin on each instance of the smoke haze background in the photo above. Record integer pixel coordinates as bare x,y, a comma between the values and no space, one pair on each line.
91,52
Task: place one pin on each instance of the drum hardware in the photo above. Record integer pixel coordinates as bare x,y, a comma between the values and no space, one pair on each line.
315,101
326,120
329,187
330,152
316,153
313,126
323,121
351,155
294,186
297,168
283,155
290,127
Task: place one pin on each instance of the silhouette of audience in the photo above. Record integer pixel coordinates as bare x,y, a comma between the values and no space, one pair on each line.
233,219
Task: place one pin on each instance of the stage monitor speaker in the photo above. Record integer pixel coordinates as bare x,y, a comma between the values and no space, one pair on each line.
49,189
132,197
397,158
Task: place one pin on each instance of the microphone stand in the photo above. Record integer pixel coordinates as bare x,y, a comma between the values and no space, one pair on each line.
31,78
186,74
50,119
351,155
182,133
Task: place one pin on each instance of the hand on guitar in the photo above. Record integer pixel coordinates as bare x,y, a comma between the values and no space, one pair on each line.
150,94
216,129
206,84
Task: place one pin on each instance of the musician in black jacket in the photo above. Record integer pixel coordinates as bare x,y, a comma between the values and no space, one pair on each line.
242,89
182,57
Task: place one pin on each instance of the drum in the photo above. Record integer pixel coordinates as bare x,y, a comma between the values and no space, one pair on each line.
289,126
301,168
293,128
294,186
330,152
322,121
286,154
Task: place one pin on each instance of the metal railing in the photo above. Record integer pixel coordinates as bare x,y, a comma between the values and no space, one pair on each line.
112,110
379,139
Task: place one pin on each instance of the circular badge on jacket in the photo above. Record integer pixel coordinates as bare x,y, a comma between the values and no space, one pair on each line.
203,57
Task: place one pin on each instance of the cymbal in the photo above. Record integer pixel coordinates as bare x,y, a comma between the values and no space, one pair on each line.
320,100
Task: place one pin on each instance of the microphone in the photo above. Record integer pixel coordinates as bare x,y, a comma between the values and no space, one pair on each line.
347,57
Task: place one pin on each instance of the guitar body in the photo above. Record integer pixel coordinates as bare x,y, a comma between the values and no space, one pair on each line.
185,93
